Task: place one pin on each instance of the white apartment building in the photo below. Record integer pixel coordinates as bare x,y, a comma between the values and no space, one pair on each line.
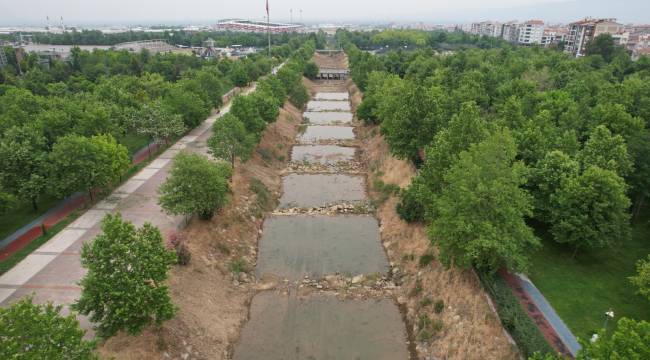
531,32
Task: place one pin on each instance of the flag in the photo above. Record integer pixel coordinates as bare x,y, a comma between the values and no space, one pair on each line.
267,8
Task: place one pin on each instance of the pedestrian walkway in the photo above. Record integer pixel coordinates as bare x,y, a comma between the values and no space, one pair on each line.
52,272
322,230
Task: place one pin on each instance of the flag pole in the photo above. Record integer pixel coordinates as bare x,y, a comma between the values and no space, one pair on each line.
268,25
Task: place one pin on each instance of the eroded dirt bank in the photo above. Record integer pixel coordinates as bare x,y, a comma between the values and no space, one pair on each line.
464,326
212,301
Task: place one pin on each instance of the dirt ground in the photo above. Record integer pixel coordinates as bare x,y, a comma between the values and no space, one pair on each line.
212,302
468,327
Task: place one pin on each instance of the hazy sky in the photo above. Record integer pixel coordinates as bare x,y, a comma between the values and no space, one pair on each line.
34,12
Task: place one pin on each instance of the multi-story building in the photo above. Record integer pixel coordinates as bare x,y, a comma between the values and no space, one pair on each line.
487,28
553,35
531,32
510,31
583,31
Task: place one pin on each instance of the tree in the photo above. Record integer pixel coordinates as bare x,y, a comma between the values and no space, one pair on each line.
124,288
642,278
196,185
630,341
189,105
229,139
78,162
267,106
157,122
602,45
606,151
244,107
481,212
590,210
547,178
311,70
23,159
31,331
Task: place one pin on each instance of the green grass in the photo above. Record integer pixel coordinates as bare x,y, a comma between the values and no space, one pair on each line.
582,289
22,214
14,259
133,142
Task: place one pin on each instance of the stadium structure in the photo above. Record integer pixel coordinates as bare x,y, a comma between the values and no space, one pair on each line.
256,26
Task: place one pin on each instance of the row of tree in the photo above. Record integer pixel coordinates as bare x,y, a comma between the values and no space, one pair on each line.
512,141
124,288
93,105
173,36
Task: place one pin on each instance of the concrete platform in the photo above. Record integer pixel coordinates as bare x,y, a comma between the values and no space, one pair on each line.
320,326
318,245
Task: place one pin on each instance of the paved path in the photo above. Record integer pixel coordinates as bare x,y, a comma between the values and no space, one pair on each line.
52,272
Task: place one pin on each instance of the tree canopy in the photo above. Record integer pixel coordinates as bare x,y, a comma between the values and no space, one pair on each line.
124,288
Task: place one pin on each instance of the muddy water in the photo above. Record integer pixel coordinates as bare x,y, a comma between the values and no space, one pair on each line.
327,118
314,190
318,133
322,154
332,96
316,105
317,245
320,326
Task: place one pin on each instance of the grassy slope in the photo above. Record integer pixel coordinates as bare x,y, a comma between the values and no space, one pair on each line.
582,289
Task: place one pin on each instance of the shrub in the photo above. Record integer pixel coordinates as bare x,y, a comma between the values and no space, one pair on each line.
426,301
183,254
262,194
426,259
513,317
409,208
439,306
238,266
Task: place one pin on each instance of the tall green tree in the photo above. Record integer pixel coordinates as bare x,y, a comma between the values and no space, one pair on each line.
230,140
244,107
590,210
195,185
642,278
81,163
23,163
157,122
32,331
630,341
124,288
606,151
480,214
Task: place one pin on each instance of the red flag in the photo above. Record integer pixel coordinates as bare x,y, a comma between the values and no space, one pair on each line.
267,8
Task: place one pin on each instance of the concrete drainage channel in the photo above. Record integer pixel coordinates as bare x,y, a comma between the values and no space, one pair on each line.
330,293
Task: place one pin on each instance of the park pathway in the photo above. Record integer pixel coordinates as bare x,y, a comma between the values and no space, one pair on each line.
51,273
322,252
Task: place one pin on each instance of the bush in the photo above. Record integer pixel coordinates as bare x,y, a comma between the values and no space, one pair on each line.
513,317
183,254
439,306
263,195
409,208
426,259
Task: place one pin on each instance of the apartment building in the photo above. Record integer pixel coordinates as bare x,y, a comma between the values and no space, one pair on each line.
530,32
510,31
583,31
487,28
